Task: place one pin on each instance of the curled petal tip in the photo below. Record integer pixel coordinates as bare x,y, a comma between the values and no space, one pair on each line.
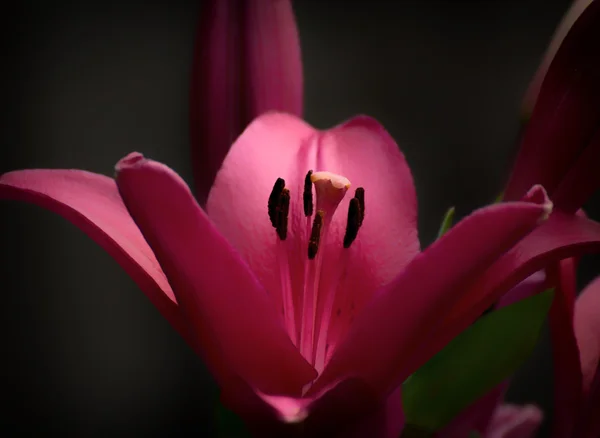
133,159
538,195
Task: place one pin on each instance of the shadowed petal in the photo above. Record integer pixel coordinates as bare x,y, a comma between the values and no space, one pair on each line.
532,285
589,422
92,203
563,28
394,324
511,421
582,179
565,354
223,303
348,408
567,112
246,62
587,332
561,237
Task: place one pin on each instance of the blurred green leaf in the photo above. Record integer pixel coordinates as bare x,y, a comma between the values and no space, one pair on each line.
474,362
446,222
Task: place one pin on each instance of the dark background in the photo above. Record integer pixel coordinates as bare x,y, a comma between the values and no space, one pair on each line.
84,353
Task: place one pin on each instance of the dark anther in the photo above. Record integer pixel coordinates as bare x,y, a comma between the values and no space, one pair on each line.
283,211
315,235
353,222
307,195
274,200
360,195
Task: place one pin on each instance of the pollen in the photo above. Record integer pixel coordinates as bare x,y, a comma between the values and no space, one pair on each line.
307,195
283,212
273,204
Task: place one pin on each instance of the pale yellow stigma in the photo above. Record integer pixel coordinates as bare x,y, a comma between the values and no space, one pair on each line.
337,181
330,189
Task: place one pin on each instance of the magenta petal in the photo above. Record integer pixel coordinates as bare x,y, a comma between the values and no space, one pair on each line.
246,62
562,236
587,332
532,285
577,7
589,422
565,354
223,303
363,151
393,326
270,148
567,112
280,145
92,203
582,179
512,421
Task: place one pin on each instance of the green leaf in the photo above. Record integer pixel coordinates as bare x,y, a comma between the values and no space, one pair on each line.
229,425
446,222
474,362
499,198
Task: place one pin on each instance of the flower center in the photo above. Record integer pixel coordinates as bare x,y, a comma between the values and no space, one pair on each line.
307,304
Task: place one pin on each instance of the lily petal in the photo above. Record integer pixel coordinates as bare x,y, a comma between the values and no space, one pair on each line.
577,7
587,332
561,237
582,179
511,421
246,62
93,204
532,285
567,112
400,317
363,151
565,354
270,148
280,145
225,306
589,422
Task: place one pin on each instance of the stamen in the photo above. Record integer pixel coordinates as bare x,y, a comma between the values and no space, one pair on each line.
353,223
312,278
307,195
282,214
274,201
360,195
315,235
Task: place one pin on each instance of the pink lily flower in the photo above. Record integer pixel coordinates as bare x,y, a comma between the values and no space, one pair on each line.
298,325
246,62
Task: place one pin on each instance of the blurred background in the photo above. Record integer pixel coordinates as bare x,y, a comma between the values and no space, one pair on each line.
84,353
